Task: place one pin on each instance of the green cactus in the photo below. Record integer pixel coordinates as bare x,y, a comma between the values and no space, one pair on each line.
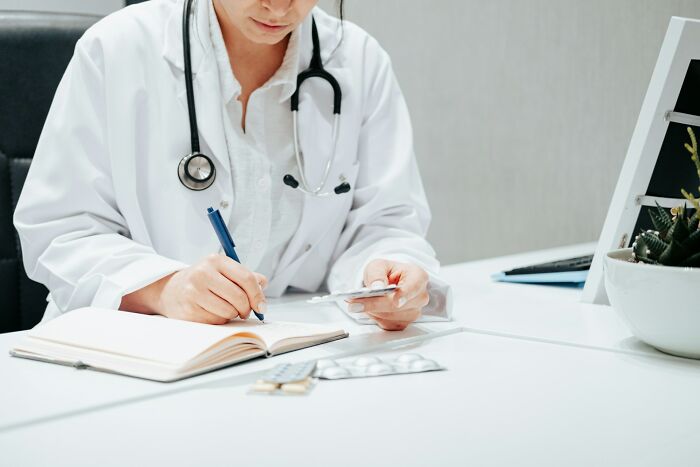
676,240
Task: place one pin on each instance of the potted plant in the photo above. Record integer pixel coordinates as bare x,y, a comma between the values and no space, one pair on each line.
652,285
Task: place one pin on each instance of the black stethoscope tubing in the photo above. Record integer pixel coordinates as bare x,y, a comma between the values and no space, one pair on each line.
185,173
202,179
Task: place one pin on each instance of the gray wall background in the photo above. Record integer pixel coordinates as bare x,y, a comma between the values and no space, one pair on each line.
522,110
102,7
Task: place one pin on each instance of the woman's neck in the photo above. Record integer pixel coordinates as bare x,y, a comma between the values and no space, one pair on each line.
252,64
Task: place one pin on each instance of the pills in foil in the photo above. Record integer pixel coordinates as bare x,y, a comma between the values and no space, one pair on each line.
286,379
367,366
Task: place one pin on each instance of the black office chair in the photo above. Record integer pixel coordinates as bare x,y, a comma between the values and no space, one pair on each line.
35,49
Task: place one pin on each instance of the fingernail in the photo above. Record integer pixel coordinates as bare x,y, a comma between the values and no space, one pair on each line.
377,285
356,308
262,308
402,301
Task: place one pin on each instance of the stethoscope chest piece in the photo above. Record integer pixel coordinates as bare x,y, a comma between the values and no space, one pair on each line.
196,171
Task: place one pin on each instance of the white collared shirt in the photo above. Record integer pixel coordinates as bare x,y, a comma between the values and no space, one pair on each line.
265,213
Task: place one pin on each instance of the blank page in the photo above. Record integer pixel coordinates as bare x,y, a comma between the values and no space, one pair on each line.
273,332
144,336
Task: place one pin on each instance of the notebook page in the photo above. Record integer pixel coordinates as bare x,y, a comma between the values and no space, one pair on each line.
272,332
143,336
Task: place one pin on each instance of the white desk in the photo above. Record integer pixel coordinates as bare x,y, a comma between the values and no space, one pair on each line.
570,387
35,392
546,312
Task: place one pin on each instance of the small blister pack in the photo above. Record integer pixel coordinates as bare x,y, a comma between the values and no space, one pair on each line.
368,366
364,292
287,379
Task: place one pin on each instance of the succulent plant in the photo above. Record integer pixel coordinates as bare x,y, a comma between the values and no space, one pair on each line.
676,240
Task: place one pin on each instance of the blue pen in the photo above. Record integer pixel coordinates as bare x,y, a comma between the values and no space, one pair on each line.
226,241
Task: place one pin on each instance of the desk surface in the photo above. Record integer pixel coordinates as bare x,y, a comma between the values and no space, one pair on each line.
537,379
35,392
546,312
502,401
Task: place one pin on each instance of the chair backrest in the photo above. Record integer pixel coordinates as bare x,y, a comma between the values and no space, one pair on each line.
35,49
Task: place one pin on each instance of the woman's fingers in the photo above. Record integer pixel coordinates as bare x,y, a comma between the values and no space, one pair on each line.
262,280
390,325
411,280
231,293
396,311
412,284
407,315
376,274
220,307
388,305
387,316
213,291
199,315
246,280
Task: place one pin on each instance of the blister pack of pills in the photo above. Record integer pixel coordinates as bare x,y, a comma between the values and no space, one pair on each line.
287,379
368,366
364,292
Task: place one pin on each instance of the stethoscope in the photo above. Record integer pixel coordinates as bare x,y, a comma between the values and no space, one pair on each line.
197,171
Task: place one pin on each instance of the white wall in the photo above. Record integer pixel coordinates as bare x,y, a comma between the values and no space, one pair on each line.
522,110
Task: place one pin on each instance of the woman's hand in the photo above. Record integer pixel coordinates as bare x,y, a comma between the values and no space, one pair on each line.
213,291
396,311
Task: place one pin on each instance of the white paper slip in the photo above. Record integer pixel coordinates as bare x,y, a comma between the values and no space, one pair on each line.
364,292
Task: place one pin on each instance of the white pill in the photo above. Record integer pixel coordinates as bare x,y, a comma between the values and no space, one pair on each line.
335,372
366,361
409,357
424,365
325,363
295,388
377,369
264,386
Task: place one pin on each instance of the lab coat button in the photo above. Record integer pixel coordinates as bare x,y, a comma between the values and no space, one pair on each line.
223,204
307,247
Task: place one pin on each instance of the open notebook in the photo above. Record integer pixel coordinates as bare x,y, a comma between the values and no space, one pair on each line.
162,349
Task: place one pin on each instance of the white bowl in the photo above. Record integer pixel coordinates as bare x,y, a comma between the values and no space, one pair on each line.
659,303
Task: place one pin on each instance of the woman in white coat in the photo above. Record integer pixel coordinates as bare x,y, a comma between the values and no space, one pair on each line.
105,221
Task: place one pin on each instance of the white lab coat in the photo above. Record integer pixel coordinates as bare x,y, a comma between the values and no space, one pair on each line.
103,212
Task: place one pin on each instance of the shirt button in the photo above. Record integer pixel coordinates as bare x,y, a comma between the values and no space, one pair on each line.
257,245
223,204
307,247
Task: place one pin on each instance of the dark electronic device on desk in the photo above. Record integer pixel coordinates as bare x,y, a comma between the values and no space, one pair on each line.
565,271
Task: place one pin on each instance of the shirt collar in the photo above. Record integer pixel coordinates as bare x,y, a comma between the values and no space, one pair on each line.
285,76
